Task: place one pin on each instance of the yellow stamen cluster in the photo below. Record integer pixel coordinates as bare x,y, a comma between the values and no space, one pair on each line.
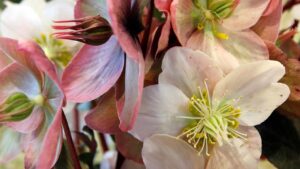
210,124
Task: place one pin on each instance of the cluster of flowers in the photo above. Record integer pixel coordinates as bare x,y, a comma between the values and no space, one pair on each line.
181,87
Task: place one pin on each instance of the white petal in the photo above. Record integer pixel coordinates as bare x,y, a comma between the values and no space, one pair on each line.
166,152
248,78
20,22
56,10
258,106
296,11
160,106
187,69
254,86
9,143
129,164
238,154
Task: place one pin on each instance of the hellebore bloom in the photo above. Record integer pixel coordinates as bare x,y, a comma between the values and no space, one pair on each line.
207,117
32,20
221,28
30,104
95,69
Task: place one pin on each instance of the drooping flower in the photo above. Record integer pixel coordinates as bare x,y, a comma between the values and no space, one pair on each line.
32,20
208,118
30,104
221,28
95,69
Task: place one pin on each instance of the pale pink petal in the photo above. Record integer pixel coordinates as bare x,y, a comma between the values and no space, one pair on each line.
165,33
16,78
213,47
9,143
29,124
258,106
238,154
268,25
243,16
166,152
241,47
129,106
104,117
245,45
93,71
130,147
129,164
256,85
118,11
159,114
187,69
85,8
182,20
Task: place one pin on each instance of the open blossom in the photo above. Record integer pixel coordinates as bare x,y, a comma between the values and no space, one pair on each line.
32,20
208,117
221,28
95,69
30,105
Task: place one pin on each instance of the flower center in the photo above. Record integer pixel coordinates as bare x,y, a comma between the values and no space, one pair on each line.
55,50
210,12
210,124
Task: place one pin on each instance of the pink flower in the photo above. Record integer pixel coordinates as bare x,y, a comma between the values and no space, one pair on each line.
95,69
31,102
221,28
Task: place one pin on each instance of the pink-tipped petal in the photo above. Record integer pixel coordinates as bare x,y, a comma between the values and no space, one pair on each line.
10,51
50,149
29,124
118,11
163,5
38,56
273,4
104,117
93,71
268,25
129,146
243,16
128,107
182,20
85,8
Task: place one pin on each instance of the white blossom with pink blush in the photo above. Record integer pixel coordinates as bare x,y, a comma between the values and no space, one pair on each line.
196,116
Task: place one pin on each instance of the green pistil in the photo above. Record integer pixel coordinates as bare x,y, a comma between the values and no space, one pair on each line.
211,12
210,124
55,50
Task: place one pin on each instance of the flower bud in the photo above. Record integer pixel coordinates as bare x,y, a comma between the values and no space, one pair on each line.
92,30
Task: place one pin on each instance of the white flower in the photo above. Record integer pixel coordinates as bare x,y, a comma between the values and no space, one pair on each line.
207,117
32,20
